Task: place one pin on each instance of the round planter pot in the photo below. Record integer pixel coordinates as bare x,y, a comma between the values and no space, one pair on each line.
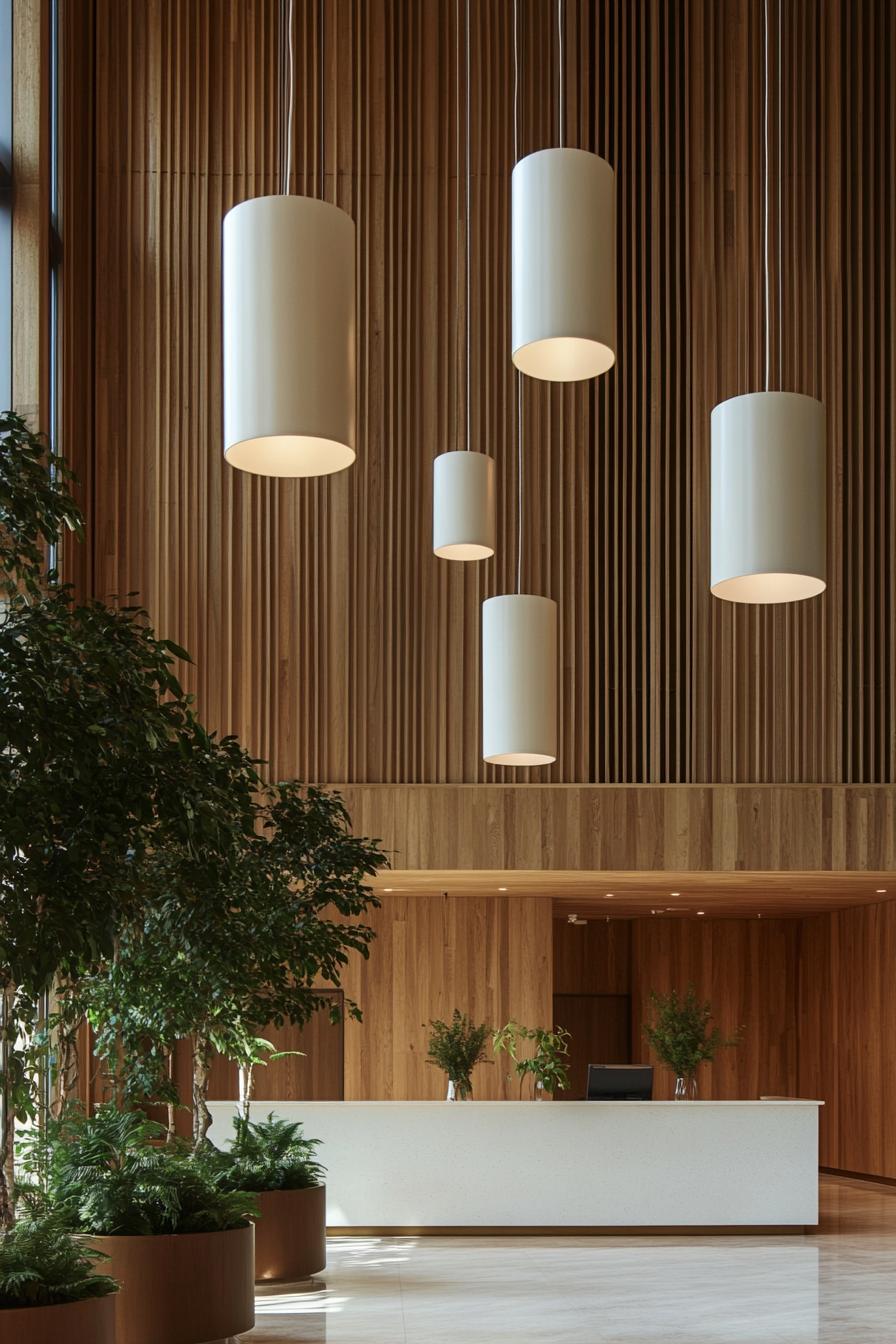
88,1322
183,1289
291,1233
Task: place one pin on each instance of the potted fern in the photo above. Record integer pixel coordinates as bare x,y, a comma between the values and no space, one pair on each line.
51,1288
272,1159
456,1047
178,1240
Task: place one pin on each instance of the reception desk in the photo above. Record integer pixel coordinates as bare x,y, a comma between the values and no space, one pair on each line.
619,1166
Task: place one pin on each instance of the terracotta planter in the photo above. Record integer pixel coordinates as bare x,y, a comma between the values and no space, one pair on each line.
291,1233
88,1322
184,1289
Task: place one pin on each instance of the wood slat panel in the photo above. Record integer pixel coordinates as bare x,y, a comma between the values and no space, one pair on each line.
325,633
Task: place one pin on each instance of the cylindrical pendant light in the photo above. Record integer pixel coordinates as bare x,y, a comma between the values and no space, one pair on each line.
463,482
563,249
289,337
519,632
564,265
289,330
519,680
769,488
769,481
463,514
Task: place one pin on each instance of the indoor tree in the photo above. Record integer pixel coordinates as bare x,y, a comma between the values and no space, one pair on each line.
217,966
103,762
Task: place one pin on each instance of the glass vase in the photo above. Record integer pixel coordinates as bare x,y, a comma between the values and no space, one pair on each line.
686,1087
452,1091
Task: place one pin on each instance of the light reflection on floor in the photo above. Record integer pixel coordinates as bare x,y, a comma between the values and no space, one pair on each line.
838,1287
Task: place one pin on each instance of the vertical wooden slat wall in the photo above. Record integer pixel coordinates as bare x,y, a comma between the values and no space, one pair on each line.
323,630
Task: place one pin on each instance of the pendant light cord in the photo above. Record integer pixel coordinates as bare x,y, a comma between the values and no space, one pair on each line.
560,63
290,67
518,375
780,199
467,219
457,214
766,211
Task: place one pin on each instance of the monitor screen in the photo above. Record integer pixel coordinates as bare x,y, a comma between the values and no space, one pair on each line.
620,1082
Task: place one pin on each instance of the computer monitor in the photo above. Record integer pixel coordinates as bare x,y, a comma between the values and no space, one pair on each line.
619,1082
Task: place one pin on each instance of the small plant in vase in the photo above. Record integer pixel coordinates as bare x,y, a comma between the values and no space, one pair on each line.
546,1066
456,1047
682,1039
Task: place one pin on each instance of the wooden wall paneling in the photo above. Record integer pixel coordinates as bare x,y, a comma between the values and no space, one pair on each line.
488,958
594,958
748,970
315,1074
677,828
323,630
600,1027
30,198
847,1025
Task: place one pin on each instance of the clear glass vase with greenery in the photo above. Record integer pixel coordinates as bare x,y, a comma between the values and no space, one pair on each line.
546,1065
456,1047
680,1036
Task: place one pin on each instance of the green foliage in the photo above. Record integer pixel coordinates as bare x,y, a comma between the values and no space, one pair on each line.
35,502
103,763
42,1265
679,1032
546,1065
108,1175
267,1155
215,963
457,1047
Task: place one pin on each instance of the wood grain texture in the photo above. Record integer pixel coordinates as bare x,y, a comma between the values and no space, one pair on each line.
847,1024
324,631
595,958
679,829
600,1027
748,970
490,959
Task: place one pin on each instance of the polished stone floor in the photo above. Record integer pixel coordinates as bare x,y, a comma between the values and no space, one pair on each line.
839,1285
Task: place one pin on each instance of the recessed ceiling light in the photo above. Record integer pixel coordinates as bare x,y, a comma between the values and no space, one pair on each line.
387,888
881,891
608,896
701,912
674,893
502,888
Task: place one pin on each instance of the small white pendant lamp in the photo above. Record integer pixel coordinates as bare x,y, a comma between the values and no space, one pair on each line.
563,248
463,483
769,480
519,638
289,330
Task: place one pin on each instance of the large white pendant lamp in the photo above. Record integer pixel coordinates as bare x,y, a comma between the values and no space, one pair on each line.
519,636
563,248
769,478
463,483
289,330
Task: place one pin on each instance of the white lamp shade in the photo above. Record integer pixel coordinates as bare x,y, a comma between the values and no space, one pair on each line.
519,680
564,265
463,506
289,337
769,491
